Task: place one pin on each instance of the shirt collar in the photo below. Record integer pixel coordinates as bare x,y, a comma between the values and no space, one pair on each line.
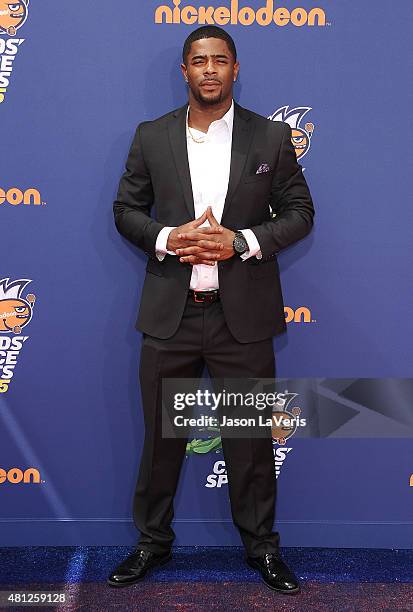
228,117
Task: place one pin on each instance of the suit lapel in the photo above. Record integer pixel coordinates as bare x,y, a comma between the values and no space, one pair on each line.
242,132
177,139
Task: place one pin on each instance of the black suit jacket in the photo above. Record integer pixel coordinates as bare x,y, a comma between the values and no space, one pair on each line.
157,175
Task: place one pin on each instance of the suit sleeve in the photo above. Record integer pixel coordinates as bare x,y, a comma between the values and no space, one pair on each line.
134,201
290,202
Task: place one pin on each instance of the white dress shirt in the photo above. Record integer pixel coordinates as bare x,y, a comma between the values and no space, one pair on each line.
209,165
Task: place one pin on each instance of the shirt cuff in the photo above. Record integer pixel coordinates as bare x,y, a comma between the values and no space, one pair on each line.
253,245
161,241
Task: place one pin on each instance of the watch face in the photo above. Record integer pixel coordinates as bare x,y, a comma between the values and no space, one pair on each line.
240,244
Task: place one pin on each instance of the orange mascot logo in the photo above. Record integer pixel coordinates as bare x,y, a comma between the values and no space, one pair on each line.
12,16
301,136
15,312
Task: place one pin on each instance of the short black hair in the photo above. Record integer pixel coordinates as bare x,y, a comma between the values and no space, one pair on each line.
209,31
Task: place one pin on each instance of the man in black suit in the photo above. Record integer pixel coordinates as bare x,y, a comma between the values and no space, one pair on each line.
228,196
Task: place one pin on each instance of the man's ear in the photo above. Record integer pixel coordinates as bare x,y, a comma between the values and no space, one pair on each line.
184,72
236,70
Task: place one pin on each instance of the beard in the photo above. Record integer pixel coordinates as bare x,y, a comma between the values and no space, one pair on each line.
208,100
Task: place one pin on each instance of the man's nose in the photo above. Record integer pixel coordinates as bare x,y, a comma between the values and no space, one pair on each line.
210,68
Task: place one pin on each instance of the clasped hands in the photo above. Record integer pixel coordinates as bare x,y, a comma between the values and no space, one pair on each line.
201,245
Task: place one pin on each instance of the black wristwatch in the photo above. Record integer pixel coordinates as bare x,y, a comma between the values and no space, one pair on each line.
239,243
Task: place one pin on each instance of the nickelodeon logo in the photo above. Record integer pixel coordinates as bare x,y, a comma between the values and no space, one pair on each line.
299,315
17,476
246,16
15,196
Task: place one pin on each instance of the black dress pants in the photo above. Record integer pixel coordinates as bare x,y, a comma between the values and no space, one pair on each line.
203,338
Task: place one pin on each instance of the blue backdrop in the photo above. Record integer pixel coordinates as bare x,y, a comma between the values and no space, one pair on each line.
75,80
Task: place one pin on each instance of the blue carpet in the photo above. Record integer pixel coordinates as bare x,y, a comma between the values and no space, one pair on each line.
73,565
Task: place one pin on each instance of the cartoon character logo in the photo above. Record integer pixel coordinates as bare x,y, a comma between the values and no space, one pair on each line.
12,15
301,137
285,422
15,312
201,447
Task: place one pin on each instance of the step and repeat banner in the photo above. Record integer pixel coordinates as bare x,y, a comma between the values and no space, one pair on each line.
75,80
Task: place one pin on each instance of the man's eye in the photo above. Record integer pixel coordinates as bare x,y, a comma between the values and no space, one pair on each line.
298,139
20,308
14,7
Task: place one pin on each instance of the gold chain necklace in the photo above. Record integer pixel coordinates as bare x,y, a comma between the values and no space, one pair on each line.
197,140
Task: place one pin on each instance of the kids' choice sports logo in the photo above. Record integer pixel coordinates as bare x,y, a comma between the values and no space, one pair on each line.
15,314
301,135
285,422
12,16
219,476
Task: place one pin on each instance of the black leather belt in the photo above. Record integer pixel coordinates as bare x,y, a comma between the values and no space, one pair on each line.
205,297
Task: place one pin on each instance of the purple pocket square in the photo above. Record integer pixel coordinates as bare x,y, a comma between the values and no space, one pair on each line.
262,169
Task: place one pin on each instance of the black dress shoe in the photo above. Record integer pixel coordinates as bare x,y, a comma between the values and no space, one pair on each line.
136,566
275,573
